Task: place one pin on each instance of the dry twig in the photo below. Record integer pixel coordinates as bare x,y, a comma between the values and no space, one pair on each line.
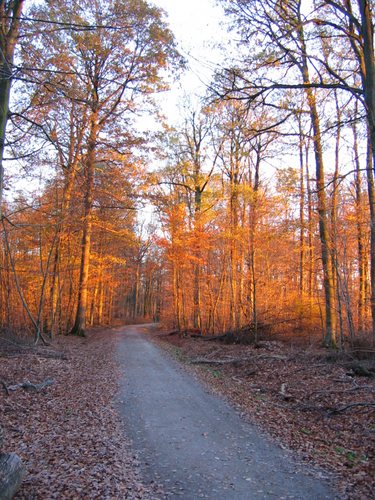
351,405
28,386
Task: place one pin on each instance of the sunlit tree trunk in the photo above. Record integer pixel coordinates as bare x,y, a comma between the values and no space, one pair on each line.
362,260
334,208
253,219
101,298
324,233
329,288
302,249
302,223
371,197
233,244
5,289
176,296
94,299
76,133
68,188
197,266
310,235
80,320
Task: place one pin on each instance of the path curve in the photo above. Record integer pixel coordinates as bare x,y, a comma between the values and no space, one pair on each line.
192,442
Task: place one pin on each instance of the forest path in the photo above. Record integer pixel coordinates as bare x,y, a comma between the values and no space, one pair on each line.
192,442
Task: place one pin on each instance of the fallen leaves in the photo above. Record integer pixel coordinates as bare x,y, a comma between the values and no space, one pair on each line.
69,434
71,439
307,402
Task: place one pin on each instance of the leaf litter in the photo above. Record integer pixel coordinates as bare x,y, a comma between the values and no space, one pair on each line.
309,401
69,434
73,443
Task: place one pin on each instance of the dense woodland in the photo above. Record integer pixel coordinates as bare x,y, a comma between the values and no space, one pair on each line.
263,195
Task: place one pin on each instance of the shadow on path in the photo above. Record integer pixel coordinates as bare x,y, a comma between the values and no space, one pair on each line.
192,442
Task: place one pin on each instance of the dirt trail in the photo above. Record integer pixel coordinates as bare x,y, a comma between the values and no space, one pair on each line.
192,442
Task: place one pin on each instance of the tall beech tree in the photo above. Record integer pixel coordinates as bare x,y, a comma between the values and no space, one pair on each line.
198,167
353,23
246,134
10,13
117,49
192,160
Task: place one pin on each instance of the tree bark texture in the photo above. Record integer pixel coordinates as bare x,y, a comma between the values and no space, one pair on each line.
324,233
10,13
11,473
80,321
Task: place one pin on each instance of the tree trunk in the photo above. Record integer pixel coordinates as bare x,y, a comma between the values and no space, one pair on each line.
329,289
253,215
176,296
10,15
310,235
368,76
302,250
101,297
362,261
334,210
67,194
233,252
197,266
11,473
324,233
367,67
80,320
371,197
136,290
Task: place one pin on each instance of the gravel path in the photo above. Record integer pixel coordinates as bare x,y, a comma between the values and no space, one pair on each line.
192,442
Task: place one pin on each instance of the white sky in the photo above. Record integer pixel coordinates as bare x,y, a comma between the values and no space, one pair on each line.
197,29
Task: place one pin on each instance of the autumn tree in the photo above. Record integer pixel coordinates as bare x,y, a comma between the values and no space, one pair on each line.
353,21
116,50
211,213
246,135
197,168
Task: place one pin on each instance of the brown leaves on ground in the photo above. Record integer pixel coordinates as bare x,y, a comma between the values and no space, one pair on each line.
70,438
68,434
308,400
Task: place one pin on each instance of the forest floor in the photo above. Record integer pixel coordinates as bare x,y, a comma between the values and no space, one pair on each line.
308,399
68,434
71,437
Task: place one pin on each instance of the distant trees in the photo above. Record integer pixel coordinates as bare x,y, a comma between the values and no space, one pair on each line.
210,240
